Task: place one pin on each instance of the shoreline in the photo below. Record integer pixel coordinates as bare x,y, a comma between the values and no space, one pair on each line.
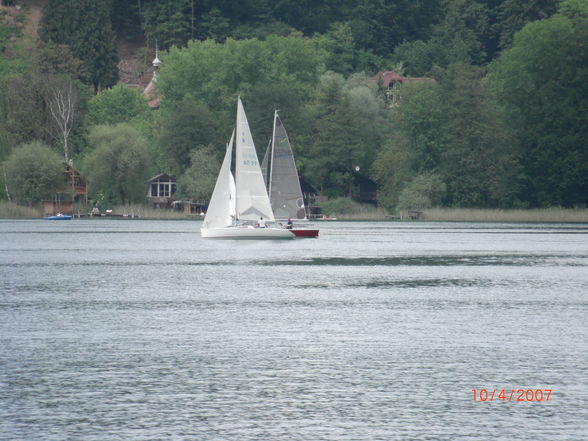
538,215
10,210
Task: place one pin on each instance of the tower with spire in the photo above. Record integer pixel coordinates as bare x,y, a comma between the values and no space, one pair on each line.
150,91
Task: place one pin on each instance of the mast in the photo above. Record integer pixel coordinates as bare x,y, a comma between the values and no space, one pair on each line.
270,161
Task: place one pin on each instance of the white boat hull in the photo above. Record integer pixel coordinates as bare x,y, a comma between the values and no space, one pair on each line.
246,233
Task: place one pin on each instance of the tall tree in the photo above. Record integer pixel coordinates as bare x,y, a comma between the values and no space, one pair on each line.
61,97
542,81
344,135
513,15
84,26
169,22
478,163
188,125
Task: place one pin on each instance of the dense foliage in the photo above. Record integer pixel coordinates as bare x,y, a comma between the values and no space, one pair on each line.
499,121
85,27
32,172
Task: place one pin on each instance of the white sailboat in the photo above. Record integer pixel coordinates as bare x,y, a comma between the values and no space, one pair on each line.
283,183
237,205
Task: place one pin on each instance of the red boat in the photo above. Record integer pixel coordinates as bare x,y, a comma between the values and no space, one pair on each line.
302,232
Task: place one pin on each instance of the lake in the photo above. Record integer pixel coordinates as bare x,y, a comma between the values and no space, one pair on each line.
141,330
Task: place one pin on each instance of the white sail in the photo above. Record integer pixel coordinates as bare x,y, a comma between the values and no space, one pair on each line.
221,209
284,187
252,198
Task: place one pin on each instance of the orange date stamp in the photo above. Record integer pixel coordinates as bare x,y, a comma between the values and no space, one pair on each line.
526,395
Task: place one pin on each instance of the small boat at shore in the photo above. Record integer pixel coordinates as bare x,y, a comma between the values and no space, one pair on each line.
58,216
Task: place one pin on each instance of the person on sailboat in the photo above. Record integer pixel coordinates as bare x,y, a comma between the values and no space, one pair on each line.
289,225
261,223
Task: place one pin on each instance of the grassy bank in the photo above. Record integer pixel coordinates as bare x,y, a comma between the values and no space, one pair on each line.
474,215
482,215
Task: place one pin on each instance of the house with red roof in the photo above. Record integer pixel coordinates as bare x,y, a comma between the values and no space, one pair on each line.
391,82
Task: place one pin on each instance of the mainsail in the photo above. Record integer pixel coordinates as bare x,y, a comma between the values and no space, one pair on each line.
284,185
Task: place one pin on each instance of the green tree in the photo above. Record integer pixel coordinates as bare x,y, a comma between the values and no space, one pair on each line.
452,130
416,141
216,73
423,191
84,26
119,104
343,53
460,37
278,72
513,15
188,125
478,164
345,133
198,181
58,59
33,173
119,163
169,22
381,25
22,106
214,26
541,81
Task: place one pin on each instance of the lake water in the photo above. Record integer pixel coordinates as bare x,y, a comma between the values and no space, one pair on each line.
141,330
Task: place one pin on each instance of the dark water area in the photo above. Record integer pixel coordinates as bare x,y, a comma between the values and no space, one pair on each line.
142,330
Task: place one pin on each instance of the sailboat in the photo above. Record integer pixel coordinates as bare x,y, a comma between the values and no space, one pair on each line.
283,184
239,203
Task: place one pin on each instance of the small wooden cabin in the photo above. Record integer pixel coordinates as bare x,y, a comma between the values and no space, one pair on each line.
74,190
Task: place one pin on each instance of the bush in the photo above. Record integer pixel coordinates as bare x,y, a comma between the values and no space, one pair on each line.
424,191
340,206
33,173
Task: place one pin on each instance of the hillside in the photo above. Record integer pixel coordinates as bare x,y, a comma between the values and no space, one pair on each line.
134,65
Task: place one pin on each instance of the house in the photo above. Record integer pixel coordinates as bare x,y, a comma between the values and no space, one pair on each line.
74,190
390,81
161,189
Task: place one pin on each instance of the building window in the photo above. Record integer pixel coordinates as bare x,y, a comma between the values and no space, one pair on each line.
153,190
164,189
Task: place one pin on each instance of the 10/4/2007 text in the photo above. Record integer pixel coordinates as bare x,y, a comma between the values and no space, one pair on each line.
512,394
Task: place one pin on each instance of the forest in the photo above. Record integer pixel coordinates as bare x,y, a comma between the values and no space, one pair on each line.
500,122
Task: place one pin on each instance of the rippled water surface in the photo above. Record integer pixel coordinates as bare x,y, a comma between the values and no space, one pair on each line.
141,330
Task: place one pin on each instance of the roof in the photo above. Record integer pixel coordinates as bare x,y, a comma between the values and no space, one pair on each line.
161,177
150,94
389,76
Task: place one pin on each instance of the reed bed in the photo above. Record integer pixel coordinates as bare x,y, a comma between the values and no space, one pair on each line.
11,210
145,212
363,214
472,215
487,215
